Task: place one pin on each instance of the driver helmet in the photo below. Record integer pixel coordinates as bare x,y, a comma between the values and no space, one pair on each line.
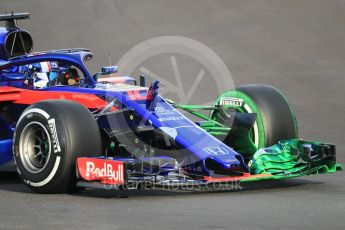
39,74
41,80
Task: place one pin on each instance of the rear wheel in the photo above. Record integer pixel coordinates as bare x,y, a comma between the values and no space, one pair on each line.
49,136
275,118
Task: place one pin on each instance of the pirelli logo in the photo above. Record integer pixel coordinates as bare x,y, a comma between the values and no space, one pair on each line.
233,101
52,127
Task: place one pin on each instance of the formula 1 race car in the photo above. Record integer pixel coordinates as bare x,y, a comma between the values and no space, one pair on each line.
62,128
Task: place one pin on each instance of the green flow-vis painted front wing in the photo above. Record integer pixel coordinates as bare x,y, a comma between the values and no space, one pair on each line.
293,158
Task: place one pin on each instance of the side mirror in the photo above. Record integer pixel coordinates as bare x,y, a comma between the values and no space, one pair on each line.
106,70
109,69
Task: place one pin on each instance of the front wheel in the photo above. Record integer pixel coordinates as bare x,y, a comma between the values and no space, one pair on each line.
49,136
275,118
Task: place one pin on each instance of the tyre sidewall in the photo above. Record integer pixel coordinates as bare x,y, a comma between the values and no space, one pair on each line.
58,145
77,134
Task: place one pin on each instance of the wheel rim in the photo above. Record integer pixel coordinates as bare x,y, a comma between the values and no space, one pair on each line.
34,147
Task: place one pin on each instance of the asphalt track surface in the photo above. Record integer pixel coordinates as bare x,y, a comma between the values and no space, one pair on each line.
298,46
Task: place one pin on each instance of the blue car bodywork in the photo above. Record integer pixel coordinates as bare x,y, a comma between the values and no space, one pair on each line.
137,125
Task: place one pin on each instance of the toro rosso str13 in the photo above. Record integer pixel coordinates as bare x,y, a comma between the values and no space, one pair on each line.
62,127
